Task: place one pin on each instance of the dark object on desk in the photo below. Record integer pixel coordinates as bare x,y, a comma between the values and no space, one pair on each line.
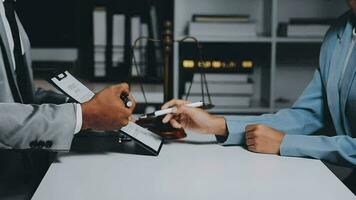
102,142
166,131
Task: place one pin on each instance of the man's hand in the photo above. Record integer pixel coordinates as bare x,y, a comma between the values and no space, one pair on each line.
194,119
106,111
263,139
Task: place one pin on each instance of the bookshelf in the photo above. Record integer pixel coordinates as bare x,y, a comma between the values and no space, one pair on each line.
290,61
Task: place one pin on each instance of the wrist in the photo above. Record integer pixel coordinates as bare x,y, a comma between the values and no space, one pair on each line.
218,126
85,116
280,143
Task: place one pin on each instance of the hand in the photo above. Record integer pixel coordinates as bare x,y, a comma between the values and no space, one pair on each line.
106,111
263,139
194,119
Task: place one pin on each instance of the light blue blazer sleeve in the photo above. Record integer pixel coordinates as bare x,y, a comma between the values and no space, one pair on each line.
305,117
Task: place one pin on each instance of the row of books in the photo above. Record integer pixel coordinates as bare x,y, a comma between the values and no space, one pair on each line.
138,29
305,27
226,90
222,26
243,26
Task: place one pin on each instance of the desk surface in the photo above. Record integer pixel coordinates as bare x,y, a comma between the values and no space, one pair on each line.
195,169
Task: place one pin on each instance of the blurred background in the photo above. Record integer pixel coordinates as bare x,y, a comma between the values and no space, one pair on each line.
257,55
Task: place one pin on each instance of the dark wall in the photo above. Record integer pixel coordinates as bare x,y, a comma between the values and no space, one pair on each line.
50,23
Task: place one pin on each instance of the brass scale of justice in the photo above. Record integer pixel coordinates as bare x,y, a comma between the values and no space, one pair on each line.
166,131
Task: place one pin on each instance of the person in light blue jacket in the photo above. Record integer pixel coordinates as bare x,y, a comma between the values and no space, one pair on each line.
291,132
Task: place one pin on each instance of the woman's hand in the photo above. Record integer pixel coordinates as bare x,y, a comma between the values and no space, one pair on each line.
194,119
263,139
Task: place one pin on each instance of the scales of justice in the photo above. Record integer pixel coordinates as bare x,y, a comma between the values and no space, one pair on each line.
166,131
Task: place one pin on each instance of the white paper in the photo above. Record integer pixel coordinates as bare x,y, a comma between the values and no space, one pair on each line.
72,87
143,135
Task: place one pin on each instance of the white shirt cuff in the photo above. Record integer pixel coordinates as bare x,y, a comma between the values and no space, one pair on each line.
79,123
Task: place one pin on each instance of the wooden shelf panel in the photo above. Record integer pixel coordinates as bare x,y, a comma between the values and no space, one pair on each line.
299,39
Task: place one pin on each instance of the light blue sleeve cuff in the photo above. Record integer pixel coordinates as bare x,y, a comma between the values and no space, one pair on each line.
236,129
301,146
236,126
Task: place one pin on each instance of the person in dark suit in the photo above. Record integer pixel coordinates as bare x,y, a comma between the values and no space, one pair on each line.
32,118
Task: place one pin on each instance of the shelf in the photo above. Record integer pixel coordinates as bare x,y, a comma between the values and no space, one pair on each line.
299,39
240,110
259,39
288,59
257,107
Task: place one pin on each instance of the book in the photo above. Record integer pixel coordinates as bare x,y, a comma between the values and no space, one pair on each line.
156,65
305,27
220,18
305,21
307,30
99,39
223,100
213,77
222,88
135,33
99,26
143,53
153,92
99,54
99,69
199,29
118,49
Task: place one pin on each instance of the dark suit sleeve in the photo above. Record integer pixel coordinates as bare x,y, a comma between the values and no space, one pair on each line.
47,96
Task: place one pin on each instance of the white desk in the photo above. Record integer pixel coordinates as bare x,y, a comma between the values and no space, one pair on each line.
185,171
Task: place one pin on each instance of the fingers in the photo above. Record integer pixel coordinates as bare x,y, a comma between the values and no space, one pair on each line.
184,110
167,118
250,142
250,135
175,123
132,118
132,99
180,110
252,148
174,102
119,88
170,118
124,122
250,127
